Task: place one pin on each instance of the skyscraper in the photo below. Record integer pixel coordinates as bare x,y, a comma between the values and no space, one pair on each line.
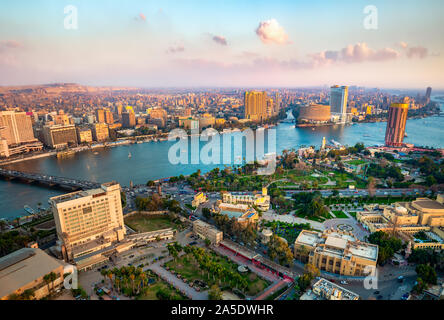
397,118
428,94
17,127
255,105
338,102
128,119
100,115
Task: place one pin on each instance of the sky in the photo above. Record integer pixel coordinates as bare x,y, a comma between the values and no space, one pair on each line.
230,43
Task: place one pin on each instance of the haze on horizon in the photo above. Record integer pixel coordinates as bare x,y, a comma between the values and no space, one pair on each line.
177,43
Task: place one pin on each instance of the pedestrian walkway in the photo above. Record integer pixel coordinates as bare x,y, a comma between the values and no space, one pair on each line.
274,288
177,283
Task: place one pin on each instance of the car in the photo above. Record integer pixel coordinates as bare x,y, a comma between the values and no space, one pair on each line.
344,282
131,256
192,243
376,292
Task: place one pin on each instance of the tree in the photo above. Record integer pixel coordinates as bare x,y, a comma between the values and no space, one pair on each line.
214,293
426,273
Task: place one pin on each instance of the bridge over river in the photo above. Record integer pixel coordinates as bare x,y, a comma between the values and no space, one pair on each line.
47,180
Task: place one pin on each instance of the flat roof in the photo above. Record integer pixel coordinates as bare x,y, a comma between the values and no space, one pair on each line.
24,266
429,204
336,242
306,237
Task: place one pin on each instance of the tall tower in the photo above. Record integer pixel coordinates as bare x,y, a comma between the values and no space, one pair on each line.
397,118
338,102
255,105
428,94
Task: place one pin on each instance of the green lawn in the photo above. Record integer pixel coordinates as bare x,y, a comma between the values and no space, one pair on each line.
151,291
142,223
190,270
353,214
356,162
340,214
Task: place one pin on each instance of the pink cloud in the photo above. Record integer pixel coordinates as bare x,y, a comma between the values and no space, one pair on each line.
176,49
271,32
418,51
220,40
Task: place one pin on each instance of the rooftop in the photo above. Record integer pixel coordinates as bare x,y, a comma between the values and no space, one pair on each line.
24,266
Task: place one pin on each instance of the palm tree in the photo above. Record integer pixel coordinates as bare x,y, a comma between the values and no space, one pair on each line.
104,273
132,277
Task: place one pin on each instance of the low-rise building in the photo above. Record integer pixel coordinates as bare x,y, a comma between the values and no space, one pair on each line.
337,252
199,198
207,231
261,201
327,290
25,269
243,213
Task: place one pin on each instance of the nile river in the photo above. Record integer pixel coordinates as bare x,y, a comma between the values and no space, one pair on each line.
149,161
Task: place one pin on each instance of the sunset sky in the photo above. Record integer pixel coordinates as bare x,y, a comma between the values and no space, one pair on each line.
223,43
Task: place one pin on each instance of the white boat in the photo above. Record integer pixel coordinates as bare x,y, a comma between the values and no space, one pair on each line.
129,155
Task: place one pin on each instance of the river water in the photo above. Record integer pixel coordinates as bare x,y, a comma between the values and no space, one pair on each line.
149,161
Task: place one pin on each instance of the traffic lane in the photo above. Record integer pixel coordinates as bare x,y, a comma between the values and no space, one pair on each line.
388,289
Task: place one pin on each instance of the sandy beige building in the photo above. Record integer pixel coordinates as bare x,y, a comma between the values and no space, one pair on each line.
207,231
336,252
88,221
24,269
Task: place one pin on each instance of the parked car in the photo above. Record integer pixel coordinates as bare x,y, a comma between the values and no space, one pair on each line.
344,282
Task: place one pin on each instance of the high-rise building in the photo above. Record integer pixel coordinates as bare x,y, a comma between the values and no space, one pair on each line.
109,119
338,103
84,135
88,221
160,114
397,118
255,105
59,136
128,119
17,127
100,115
100,132
428,94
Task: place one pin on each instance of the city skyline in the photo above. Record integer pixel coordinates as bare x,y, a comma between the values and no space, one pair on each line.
172,44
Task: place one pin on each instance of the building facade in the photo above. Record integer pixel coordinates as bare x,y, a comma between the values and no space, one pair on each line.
207,231
88,221
59,136
255,105
338,103
397,119
16,127
337,252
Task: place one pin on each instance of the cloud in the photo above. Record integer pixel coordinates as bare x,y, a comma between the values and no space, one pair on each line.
220,40
413,52
140,17
10,44
418,51
176,49
359,52
271,32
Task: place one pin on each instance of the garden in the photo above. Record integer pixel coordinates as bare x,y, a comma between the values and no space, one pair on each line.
201,269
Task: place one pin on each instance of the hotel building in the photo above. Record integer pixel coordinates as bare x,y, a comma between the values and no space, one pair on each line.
59,136
199,198
397,118
88,222
336,252
243,213
255,105
16,127
338,103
